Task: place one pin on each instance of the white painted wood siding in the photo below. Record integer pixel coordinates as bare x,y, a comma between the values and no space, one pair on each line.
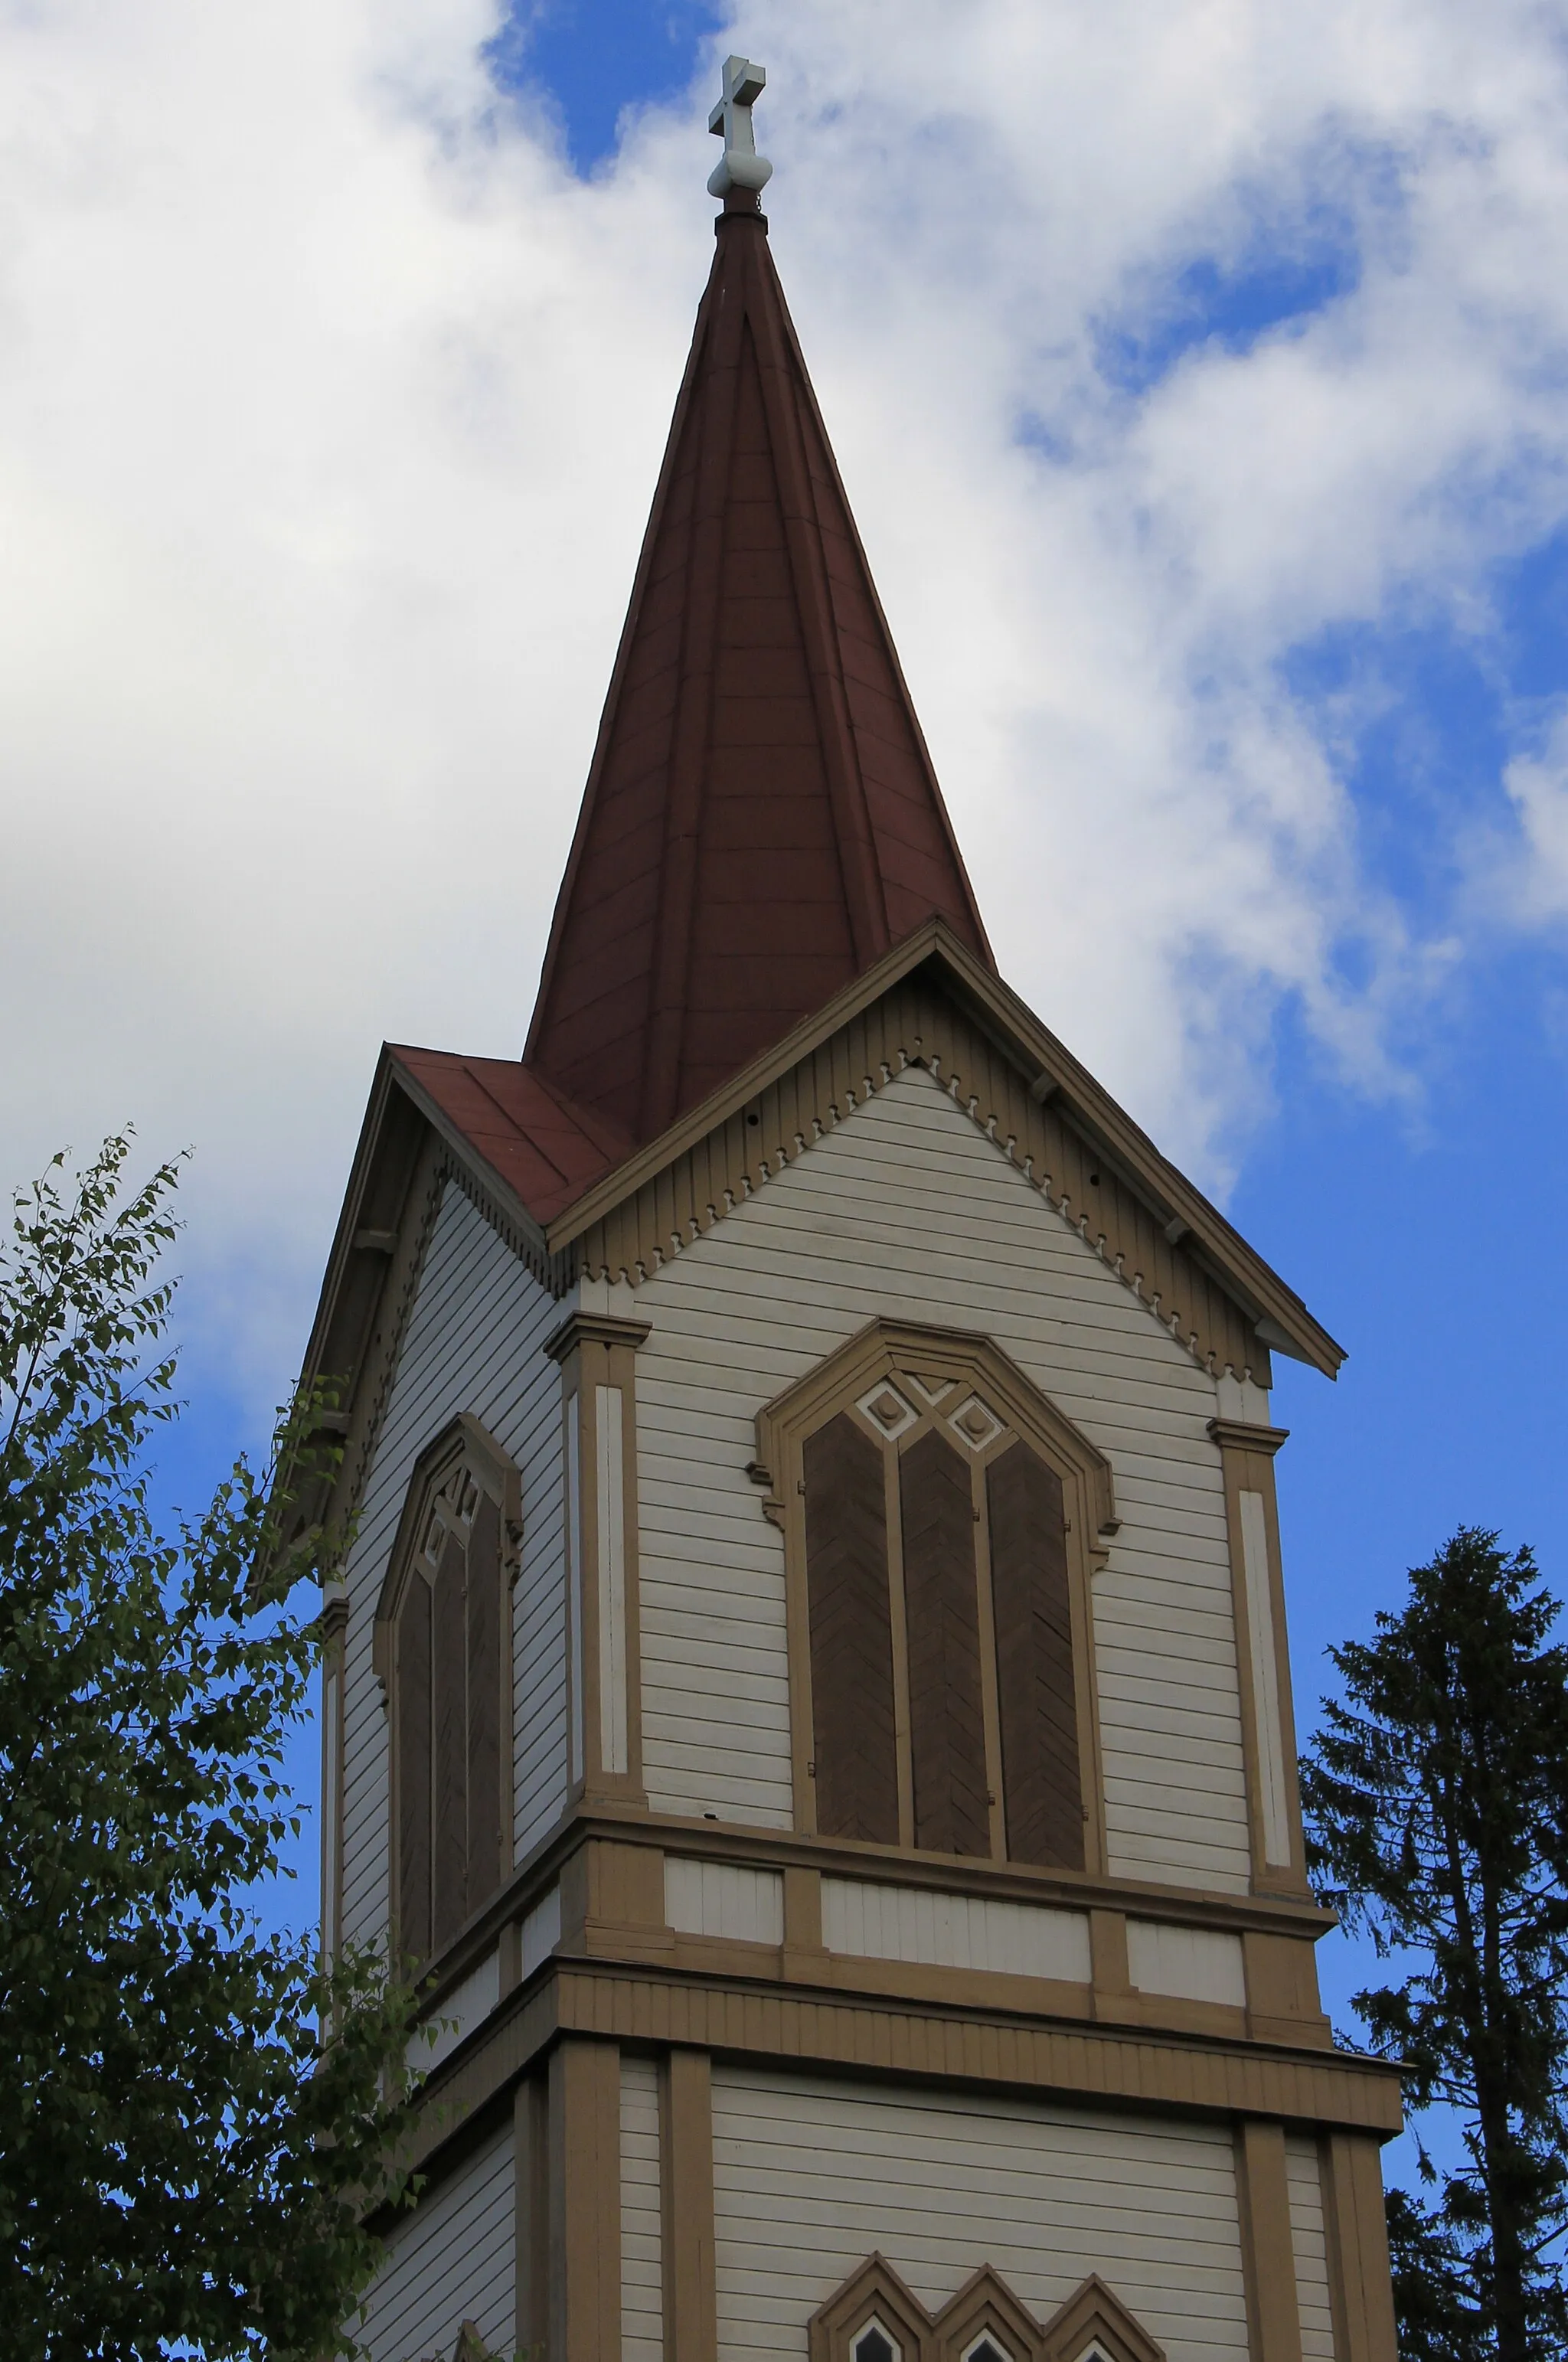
954,1931
458,2015
453,2259
1189,1963
642,2233
715,1898
541,1930
1308,2239
472,1343
907,1211
810,2176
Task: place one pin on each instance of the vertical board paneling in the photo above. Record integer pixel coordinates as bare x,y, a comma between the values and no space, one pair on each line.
871,1921
642,2281
905,1209
1192,1963
452,2260
811,2176
1308,2240
717,1898
473,1343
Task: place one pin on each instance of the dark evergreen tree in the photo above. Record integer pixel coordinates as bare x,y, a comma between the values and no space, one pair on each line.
183,2167
1437,1802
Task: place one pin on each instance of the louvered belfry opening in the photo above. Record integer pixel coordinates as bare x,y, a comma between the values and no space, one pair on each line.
943,1706
447,1683
761,820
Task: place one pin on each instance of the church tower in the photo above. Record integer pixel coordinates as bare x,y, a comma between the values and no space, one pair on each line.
810,1683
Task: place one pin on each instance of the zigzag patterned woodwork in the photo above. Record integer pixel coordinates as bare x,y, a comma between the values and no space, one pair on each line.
874,2317
911,1025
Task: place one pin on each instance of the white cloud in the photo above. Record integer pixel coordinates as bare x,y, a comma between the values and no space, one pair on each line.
1537,785
331,406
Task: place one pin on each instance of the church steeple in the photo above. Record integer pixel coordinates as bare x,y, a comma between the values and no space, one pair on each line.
761,819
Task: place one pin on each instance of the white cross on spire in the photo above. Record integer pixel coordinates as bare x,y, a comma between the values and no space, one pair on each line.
740,167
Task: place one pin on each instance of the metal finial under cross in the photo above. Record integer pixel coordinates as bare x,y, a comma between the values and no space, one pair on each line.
740,167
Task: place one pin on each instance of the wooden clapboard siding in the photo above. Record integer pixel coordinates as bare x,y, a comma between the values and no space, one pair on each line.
947,1737
452,2260
642,2282
472,1343
852,1643
1309,2241
1041,1782
811,2176
906,1209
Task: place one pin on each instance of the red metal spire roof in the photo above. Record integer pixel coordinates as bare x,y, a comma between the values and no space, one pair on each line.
761,819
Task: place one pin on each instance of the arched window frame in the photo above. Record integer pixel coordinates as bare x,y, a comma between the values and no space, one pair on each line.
974,1364
463,1445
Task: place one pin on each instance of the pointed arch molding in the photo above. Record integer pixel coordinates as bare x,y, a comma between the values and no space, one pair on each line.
1093,2322
883,1346
847,1452
462,1439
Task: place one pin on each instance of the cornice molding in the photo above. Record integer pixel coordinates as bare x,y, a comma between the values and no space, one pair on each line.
595,1329
1241,1435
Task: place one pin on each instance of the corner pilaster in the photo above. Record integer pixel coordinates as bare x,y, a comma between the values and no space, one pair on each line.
1262,1657
597,1355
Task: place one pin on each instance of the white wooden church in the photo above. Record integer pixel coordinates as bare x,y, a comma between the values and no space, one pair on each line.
811,1685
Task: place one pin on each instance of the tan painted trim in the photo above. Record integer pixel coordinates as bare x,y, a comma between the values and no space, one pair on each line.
1268,2251
585,2202
1359,2287
1246,1458
931,970
789,2026
985,2303
1114,1998
562,1855
884,1348
1242,1435
686,2191
1283,2004
1095,2312
874,2290
531,2180
804,1957
334,1717
595,1329
919,1023
598,1358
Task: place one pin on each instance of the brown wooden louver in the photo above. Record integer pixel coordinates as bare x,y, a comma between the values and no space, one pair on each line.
761,819
448,1675
852,1645
948,1732
950,1589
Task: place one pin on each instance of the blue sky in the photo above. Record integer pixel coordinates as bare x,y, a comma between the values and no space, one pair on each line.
1153,675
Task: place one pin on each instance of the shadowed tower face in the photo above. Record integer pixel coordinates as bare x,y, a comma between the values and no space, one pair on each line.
809,1681
762,821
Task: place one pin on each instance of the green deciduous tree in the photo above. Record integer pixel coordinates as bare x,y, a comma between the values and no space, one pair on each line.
1437,1798
180,2159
